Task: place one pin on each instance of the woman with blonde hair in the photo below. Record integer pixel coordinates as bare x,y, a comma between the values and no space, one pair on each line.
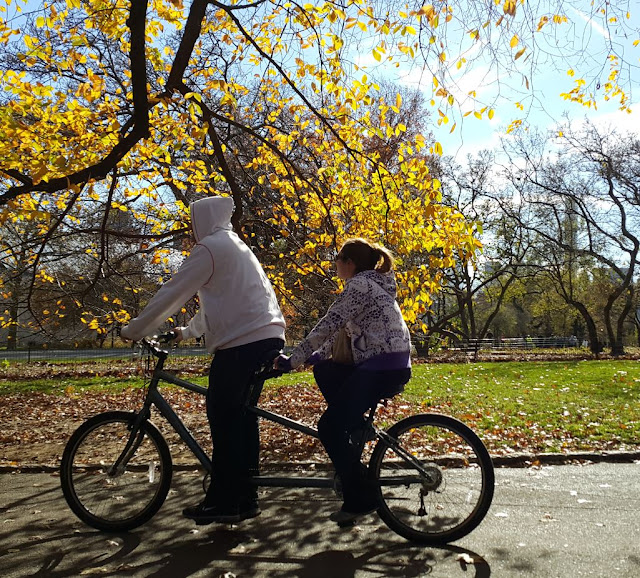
379,365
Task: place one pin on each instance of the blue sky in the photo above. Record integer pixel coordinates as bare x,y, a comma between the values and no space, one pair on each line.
582,42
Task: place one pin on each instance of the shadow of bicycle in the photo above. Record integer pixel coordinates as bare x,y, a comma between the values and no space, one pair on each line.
292,538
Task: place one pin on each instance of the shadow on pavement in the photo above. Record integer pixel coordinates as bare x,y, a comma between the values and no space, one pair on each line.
293,537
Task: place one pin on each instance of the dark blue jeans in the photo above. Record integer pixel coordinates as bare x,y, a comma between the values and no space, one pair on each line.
349,393
234,431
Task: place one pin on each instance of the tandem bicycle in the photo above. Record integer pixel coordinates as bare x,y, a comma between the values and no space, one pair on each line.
434,476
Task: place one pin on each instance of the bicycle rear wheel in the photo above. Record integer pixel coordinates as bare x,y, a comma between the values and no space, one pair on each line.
436,484
115,479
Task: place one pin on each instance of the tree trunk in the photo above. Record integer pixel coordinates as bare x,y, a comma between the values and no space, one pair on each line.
616,334
594,343
12,335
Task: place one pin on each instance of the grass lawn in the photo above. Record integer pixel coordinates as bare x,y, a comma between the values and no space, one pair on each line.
546,406
533,406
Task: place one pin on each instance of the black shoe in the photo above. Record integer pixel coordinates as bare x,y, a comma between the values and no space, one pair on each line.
365,503
346,516
203,514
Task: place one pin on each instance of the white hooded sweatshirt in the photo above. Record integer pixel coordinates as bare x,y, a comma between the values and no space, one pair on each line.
237,302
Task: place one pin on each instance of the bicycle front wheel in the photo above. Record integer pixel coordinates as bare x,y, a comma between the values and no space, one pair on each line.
435,478
114,478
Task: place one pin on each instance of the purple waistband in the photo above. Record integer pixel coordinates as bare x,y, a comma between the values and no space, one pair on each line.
385,361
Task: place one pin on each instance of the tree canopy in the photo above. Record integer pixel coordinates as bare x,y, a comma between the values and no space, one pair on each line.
140,107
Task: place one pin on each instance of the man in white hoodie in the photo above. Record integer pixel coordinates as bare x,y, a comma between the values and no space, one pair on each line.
242,323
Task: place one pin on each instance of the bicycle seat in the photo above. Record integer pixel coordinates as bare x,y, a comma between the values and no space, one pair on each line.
391,394
384,401
266,360
272,354
265,368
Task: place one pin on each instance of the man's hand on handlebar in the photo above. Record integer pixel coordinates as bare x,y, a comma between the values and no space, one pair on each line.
282,363
175,335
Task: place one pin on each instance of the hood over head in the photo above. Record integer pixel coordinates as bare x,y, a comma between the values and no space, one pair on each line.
209,215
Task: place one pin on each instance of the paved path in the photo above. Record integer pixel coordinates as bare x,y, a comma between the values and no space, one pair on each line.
551,522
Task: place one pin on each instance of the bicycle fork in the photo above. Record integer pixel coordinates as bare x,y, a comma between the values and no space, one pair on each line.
133,443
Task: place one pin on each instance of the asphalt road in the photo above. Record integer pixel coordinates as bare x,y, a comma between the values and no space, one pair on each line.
554,521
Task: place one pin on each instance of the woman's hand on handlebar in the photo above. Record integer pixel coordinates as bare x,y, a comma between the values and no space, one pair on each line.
178,334
282,363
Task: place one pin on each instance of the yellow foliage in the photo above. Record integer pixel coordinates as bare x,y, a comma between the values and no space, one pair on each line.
284,69
509,7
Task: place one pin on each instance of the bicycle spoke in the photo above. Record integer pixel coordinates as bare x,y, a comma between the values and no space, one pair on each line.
113,479
437,484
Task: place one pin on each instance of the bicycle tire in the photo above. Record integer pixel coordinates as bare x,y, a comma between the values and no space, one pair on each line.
131,497
455,494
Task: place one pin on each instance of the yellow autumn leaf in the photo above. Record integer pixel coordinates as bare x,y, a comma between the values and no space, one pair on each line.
509,7
514,41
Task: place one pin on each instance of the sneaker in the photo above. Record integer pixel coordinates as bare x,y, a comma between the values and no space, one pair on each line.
203,514
347,517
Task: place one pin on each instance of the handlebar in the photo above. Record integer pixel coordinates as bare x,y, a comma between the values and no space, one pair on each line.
153,345
266,371
167,337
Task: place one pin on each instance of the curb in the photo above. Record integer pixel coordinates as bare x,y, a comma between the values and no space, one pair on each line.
510,461
529,460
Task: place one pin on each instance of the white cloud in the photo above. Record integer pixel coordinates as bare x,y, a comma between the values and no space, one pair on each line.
619,120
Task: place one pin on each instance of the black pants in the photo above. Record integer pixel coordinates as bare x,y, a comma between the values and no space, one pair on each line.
234,431
349,393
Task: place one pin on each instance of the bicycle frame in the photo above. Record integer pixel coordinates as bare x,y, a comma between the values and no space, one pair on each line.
154,397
